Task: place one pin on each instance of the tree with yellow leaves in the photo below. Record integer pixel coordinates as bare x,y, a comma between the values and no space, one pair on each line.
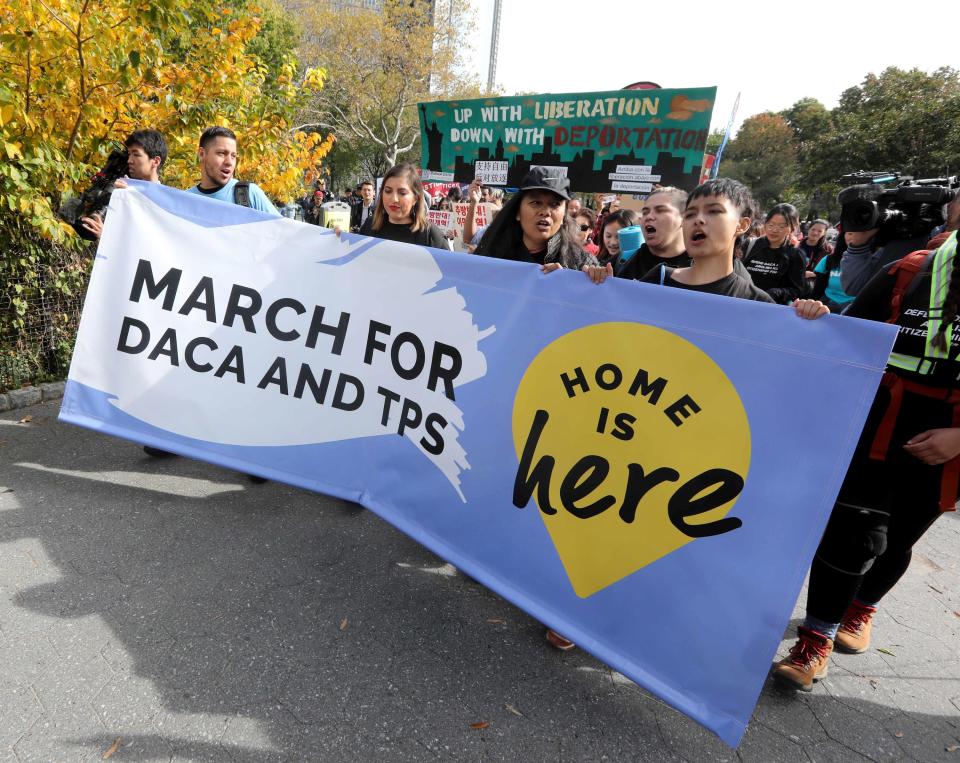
381,62
77,76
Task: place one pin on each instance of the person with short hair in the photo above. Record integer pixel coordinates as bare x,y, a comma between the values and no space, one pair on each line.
146,153
360,212
218,163
661,218
574,206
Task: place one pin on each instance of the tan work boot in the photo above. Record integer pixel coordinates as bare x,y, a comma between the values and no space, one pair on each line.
807,662
854,634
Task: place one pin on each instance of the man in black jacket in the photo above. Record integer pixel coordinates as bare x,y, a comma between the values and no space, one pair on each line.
360,212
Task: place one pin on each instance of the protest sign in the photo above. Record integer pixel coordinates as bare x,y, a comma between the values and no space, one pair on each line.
622,470
455,220
622,141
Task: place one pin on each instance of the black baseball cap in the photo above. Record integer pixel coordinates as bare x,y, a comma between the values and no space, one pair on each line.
539,179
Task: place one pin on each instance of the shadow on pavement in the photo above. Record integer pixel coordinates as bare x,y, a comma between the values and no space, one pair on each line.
201,617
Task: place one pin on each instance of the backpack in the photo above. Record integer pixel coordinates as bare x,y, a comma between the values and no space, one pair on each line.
241,193
906,271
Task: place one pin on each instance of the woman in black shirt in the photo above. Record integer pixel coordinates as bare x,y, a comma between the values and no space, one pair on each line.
775,264
400,213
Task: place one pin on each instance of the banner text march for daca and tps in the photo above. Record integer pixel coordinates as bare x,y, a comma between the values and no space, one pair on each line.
607,467
626,141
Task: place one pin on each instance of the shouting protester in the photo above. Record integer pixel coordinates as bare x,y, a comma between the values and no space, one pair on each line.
534,227
218,162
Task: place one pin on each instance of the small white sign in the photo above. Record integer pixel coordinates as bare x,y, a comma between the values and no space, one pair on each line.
636,187
634,178
440,177
634,169
491,173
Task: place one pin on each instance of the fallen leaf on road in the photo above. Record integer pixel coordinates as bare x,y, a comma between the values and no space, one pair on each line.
112,748
874,683
513,710
899,735
957,614
480,725
344,623
26,419
886,651
496,621
952,748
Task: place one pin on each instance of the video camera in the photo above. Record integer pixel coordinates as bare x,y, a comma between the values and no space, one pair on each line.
910,209
96,198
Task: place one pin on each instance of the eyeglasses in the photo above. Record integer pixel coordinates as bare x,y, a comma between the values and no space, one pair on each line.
776,226
584,228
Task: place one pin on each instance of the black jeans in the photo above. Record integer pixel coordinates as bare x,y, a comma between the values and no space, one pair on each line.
883,509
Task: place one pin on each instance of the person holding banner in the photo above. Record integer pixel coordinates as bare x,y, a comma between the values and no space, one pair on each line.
533,226
401,211
906,467
661,218
717,216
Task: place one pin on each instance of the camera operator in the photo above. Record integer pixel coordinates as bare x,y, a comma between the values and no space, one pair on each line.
892,221
146,153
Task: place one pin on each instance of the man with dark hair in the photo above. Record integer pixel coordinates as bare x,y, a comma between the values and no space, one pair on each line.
218,162
146,153
360,212
661,218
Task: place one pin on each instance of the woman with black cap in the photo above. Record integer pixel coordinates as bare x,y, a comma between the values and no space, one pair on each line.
534,227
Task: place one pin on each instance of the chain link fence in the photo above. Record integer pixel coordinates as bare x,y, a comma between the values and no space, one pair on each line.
41,308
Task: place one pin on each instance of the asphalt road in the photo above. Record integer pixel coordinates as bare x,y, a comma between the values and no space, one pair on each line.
166,609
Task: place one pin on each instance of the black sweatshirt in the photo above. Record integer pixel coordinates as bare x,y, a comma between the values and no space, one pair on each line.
779,272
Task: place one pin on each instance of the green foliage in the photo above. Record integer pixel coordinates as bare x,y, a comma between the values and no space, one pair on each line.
898,120
764,156
76,78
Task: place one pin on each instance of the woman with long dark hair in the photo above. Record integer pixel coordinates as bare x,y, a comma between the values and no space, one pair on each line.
400,213
534,226
814,246
609,241
906,466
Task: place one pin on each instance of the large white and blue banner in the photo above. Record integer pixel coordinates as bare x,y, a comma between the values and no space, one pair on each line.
644,469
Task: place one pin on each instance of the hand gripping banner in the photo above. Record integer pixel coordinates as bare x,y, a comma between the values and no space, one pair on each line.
643,469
